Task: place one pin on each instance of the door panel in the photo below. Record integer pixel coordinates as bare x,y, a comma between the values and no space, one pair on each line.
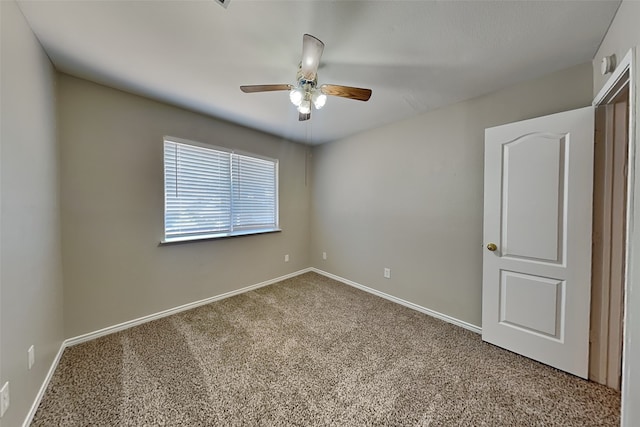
533,202
531,303
538,193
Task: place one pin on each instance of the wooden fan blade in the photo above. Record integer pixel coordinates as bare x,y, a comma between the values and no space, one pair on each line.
264,88
347,92
311,52
302,117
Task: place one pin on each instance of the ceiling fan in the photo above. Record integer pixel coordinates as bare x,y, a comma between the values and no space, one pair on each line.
306,90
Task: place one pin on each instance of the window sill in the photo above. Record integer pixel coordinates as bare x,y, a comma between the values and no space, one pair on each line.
199,238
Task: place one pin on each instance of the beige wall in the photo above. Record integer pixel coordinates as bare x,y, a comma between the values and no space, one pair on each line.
624,34
112,210
406,196
409,196
30,268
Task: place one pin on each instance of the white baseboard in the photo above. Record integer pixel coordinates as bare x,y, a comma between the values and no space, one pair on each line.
432,313
139,321
135,322
43,387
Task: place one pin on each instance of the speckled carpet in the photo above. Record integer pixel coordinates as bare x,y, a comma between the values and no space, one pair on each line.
311,351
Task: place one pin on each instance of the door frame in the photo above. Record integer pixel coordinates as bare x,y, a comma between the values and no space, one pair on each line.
631,326
609,235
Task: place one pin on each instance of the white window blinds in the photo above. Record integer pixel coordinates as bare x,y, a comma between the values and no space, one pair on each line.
215,193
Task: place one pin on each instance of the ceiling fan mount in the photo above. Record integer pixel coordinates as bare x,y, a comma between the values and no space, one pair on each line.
306,92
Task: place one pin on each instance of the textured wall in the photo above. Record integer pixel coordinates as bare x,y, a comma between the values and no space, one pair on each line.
31,275
112,210
409,196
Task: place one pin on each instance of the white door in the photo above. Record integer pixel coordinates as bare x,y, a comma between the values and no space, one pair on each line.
537,236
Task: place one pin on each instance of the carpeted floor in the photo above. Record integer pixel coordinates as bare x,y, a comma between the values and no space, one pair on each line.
311,351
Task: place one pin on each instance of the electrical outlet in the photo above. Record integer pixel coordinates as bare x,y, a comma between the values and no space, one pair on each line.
4,398
324,255
286,258
31,355
387,273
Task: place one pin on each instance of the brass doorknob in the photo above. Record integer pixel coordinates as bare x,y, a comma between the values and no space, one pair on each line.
492,247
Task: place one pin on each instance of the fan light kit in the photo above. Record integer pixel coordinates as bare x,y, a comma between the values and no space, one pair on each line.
306,91
302,99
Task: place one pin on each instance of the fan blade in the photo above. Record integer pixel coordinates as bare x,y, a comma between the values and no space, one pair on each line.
264,88
302,117
347,92
311,52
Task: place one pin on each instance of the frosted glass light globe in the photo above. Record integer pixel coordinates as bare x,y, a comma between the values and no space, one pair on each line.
295,96
319,99
305,107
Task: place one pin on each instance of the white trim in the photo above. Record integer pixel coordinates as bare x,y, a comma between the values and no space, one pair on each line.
617,74
199,237
633,222
43,387
627,65
155,316
135,322
427,311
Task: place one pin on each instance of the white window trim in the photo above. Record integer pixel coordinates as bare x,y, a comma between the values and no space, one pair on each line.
234,233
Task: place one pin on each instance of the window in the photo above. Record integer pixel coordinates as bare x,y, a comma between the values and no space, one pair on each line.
212,192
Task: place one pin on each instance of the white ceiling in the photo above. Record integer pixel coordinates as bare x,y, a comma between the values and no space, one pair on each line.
414,55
